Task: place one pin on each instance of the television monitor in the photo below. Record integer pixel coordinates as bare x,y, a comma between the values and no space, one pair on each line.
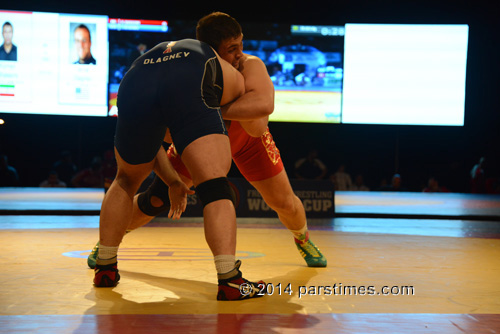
53,63
305,63
404,74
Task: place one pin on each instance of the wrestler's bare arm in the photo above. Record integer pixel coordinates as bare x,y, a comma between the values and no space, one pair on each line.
177,190
256,127
234,85
258,101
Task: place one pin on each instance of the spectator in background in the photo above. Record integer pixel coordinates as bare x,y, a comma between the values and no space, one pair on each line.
478,177
341,179
434,187
310,167
396,184
65,168
52,181
139,50
8,174
383,184
359,184
90,177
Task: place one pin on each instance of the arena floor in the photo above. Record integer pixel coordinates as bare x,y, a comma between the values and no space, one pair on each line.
393,267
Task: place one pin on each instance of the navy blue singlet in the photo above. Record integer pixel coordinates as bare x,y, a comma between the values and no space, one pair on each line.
175,85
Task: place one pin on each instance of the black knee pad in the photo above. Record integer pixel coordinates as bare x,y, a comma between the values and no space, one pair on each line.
214,190
158,189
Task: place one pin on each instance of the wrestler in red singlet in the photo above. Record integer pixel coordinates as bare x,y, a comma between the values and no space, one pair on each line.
257,158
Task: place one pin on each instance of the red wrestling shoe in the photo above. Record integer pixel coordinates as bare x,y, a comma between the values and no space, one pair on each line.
106,276
232,286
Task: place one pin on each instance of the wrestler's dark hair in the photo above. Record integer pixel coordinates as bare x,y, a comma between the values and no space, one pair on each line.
83,26
217,27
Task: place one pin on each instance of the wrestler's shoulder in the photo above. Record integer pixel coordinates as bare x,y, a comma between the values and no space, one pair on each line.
251,64
247,58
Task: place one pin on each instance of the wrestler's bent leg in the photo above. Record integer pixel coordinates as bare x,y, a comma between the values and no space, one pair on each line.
292,214
287,205
208,158
116,212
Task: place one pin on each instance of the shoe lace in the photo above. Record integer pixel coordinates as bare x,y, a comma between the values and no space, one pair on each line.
311,249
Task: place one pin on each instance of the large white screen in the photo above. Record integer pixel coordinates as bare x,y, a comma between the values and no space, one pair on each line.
44,79
404,74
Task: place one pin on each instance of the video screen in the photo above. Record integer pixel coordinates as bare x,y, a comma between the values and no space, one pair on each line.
52,63
404,74
305,64
354,74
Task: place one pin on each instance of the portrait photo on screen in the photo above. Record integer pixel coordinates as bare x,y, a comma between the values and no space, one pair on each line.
8,50
15,65
83,77
81,43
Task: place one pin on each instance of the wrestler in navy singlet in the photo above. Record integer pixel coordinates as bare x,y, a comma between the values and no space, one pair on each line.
176,85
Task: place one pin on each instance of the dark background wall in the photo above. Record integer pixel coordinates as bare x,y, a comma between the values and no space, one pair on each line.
33,142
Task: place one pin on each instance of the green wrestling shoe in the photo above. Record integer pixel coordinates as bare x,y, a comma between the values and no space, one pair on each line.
310,252
91,260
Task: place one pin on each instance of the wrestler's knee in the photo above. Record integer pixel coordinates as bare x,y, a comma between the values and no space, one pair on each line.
214,190
128,182
130,177
286,205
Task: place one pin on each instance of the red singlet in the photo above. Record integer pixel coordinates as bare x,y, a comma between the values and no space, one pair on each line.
256,158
